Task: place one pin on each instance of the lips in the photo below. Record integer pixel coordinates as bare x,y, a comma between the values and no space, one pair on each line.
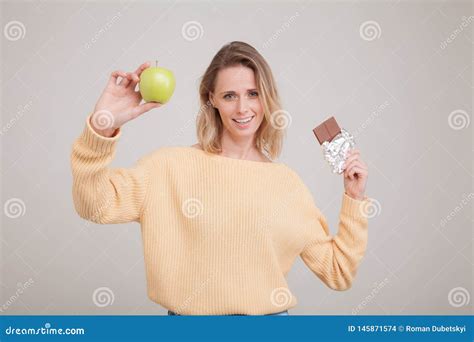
244,120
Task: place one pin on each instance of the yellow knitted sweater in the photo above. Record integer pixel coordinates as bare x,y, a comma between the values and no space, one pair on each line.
219,234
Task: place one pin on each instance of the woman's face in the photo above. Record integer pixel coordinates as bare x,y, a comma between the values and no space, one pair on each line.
237,99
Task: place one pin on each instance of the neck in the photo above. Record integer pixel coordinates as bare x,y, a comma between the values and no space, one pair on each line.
240,147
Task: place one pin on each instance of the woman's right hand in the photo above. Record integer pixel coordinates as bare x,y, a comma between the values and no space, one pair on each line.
119,102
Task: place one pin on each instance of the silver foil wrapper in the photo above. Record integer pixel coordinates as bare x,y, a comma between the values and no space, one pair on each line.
335,152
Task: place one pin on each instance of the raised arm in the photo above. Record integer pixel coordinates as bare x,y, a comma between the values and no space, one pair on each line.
335,259
102,194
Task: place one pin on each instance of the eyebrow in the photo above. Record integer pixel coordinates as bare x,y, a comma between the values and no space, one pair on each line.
233,92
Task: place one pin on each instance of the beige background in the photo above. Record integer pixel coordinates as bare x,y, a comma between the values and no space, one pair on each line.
404,88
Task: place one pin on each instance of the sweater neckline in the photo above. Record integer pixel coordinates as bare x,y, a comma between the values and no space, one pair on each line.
229,159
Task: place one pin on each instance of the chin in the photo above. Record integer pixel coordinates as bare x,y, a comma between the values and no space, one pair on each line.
242,133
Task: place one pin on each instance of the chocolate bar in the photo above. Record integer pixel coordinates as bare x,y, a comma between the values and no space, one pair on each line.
327,130
335,142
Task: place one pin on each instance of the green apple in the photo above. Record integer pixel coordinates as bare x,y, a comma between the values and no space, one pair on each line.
156,84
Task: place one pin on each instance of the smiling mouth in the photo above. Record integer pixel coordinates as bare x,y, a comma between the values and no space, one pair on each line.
244,121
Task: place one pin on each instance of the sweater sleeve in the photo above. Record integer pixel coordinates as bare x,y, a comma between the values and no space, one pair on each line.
335,259
102,194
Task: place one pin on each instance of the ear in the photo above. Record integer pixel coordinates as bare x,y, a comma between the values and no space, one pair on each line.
211,99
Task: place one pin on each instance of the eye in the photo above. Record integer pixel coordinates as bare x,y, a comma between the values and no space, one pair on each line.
253,93
228,96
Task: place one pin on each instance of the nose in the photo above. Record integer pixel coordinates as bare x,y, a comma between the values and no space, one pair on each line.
243,106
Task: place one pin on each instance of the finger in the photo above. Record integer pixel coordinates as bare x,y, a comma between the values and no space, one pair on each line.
348,172
351,165
352,153
126,80
347,166
115,75
134,80
359,163
346,169
141,68
355,150
354,163
356,169
350,159
145,107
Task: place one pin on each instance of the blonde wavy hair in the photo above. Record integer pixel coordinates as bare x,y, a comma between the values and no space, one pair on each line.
269,136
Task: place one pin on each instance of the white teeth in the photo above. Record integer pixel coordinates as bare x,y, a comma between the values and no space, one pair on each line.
244,121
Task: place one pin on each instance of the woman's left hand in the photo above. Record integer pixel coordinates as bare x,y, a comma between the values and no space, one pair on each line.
355,175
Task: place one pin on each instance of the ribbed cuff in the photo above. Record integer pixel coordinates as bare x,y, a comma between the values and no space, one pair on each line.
353,207
97,142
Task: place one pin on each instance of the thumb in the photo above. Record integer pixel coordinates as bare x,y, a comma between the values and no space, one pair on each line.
145,107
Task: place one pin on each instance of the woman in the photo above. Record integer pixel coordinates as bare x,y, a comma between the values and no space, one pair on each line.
222,223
